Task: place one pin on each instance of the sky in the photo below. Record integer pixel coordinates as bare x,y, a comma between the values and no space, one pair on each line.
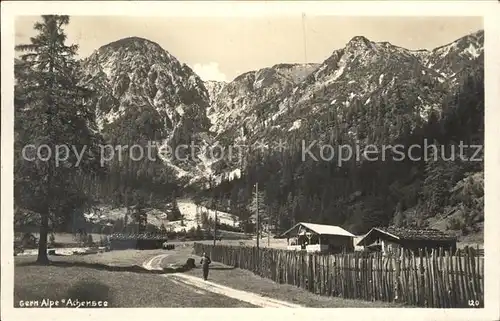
223,48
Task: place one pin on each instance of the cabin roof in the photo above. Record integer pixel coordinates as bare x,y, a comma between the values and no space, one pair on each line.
414,234
319,229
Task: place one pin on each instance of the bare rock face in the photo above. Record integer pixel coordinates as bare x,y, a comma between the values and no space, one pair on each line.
140,72
146,94
241,101
214,88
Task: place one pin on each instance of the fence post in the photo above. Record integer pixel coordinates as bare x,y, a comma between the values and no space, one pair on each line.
397,277
421,285
310,277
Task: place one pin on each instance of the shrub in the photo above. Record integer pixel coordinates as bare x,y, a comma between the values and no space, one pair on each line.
190,263
89,290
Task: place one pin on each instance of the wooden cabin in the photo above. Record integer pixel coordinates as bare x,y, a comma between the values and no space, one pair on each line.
318,238
388,239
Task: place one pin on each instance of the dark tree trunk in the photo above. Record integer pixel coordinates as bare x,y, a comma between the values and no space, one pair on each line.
42,242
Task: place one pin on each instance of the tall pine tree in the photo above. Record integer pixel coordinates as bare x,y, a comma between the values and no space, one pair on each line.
51,110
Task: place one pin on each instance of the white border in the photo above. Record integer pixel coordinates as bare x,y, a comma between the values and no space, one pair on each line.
488,9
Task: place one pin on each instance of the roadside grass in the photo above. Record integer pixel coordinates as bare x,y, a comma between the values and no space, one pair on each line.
119,289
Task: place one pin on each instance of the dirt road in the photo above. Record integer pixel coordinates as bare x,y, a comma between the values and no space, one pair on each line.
154,263
201,286
248,297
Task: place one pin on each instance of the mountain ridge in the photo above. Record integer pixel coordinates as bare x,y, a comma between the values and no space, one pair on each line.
264,100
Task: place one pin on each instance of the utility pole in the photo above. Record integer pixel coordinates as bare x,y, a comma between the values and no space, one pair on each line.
214,205
215,227
257,210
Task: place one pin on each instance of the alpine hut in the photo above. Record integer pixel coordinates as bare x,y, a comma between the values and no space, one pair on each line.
318,238
387,239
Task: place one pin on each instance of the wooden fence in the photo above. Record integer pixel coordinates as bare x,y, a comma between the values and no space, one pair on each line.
435,279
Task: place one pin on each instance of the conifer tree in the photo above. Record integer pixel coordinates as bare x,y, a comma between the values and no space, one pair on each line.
52,109
261,208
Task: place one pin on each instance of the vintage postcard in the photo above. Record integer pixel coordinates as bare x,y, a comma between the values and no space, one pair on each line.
160,155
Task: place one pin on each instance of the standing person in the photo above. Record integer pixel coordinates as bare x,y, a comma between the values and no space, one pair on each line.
205,261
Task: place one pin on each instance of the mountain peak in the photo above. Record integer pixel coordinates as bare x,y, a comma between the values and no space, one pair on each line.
133,42
360,42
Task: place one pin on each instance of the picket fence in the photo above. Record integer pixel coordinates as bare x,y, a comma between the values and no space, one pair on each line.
436,279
